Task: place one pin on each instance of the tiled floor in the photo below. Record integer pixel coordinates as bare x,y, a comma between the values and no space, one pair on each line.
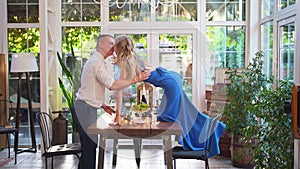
151,159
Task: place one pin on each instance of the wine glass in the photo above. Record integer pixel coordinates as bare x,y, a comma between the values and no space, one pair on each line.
113,104
128,109
140,113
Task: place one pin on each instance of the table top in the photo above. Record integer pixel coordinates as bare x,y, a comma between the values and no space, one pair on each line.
131,128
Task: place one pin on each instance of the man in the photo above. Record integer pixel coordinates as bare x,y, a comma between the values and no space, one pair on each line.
94,79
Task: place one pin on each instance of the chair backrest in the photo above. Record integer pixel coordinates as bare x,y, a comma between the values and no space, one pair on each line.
10,117
211,128
45,123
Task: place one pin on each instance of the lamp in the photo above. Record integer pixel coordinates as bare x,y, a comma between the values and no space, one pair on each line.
24,63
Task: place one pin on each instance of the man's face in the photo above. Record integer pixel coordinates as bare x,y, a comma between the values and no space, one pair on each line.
106,45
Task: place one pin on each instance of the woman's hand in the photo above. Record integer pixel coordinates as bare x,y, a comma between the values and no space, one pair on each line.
117,120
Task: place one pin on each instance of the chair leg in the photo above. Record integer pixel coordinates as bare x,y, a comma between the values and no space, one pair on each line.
8,144
16,145
174,163
114,162
137,143
206,164
46,159
51,162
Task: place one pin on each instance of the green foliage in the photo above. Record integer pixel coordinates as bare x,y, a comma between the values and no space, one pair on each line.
23,40
73,83
275,142
82,38
246,86
256,110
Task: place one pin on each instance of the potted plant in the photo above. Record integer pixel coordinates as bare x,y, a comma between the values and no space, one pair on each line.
69,90
274,148
244,91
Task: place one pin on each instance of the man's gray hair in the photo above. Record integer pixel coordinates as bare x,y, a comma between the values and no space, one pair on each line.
101,37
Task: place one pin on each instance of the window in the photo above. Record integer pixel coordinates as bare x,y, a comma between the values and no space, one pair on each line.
267,8
164,10
136,11
225,49
25,40
182,10
225,10
225,41
285,3
287,51
22,11
80,10
267,47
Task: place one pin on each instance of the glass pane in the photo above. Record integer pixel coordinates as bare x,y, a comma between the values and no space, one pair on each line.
225,49
137,11
16,13
91,12
285,3
33,13
175,53
267,8
83,41
22,12
80,11
71,12
23,40
233,10
267,47
287,48
176,10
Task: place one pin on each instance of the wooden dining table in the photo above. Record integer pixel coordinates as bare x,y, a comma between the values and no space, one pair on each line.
129,129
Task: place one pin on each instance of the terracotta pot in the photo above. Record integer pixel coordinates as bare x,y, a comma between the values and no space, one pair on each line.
225,144
240,154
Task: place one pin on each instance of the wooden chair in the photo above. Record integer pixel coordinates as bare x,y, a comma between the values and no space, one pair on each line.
50,150
9,129
179,153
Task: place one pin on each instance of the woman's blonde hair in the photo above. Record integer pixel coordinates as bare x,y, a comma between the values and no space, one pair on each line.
128,61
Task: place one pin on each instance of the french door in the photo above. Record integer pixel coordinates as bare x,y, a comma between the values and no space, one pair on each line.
171,49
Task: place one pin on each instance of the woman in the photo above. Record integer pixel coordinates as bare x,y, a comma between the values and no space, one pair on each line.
175,105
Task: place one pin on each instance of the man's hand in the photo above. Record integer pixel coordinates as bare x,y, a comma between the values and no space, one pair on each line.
108,109
141,76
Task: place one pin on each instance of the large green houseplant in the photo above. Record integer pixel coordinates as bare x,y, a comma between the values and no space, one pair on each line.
274,148
72,74
256,112
245,89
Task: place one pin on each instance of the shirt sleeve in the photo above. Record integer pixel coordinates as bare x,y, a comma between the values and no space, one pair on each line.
104,75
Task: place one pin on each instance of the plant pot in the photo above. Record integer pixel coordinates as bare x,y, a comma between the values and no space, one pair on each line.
240,154
75,137
225,144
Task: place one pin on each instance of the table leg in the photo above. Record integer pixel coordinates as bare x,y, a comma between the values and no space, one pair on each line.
114,162
168,151
101,151
137,143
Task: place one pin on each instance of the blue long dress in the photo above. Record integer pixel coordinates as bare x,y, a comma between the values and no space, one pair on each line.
176,106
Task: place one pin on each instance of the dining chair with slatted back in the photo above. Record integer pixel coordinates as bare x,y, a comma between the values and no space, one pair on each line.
45,123
179,153
9,129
